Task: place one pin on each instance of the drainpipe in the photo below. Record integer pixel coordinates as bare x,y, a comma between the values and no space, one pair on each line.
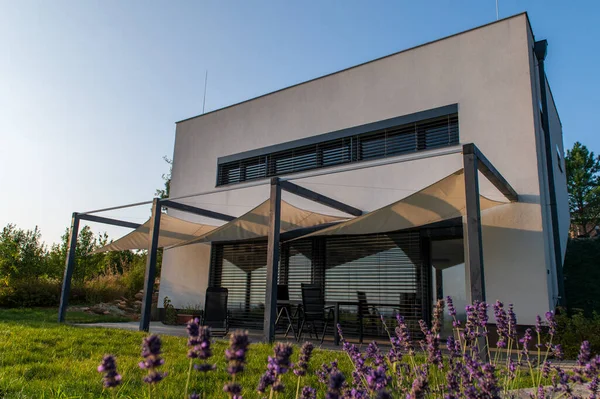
541,49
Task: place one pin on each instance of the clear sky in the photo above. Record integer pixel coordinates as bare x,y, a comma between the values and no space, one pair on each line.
90,90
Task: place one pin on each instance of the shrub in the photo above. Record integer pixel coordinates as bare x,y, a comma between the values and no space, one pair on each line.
575,328
30,292
582,275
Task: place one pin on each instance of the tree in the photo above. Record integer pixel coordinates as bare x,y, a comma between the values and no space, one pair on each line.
165,192
22,253
583,183
87,265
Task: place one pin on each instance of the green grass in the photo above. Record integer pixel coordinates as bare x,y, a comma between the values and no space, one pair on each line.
41,359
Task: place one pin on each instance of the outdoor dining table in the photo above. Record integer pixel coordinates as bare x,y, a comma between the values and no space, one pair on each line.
335,305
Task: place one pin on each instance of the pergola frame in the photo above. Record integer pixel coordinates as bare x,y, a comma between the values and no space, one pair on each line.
473,161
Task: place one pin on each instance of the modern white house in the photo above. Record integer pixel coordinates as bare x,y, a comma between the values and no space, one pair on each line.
430,172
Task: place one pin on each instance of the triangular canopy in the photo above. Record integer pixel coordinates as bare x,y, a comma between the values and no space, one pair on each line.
255,224
444,199
172,231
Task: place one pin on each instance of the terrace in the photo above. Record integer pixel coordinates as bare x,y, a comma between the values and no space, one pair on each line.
360,268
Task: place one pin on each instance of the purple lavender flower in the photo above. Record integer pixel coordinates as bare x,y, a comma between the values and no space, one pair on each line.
266,380
109,368
512,322
419,387
151,350
377,379
593,387
194,395
538,324
438,314
482,314
304,359
550,319
451,309
326,370
584,354
557,351
308,393
199,343
233,390
334,386
280,363
525,342
501,324
403,335
541,393
488,382
236,353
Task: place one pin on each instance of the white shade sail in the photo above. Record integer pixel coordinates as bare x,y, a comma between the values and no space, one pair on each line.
172,231
255,224
444,199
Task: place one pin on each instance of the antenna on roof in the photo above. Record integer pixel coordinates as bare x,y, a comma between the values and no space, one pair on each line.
205,81
497,15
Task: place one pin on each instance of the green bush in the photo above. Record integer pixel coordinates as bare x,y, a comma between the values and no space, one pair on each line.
582,275
30,292
575,328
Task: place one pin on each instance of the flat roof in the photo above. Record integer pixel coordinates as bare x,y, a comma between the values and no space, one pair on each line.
364,63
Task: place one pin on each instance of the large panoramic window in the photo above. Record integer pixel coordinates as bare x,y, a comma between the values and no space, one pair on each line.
386,271
358,144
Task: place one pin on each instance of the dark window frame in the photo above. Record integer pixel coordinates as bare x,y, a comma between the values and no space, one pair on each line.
432,129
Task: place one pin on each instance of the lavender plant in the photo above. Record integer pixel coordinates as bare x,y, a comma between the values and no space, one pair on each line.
278,365
236,358
302,366
151,351
111,377
199,344
468,367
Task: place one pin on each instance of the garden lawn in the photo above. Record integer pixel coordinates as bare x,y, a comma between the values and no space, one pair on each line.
41,359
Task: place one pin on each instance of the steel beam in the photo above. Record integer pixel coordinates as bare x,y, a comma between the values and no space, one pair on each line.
150,266
319,198
114,222
69,267
196,211
472,232
491,173
272,260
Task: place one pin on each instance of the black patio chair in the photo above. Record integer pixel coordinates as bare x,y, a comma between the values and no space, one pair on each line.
367,313
284,312
215,313
314,311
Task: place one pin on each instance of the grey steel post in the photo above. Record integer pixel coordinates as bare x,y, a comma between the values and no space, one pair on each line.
69,266
472,235
272,261
150,266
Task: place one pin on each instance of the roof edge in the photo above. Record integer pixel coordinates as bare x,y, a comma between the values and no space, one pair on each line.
365,63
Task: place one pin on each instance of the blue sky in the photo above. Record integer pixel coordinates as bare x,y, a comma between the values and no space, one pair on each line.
90,90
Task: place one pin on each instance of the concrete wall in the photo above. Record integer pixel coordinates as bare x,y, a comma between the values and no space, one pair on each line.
486,71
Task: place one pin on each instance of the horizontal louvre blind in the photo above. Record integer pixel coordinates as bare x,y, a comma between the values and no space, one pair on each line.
387,268
397,140
242,269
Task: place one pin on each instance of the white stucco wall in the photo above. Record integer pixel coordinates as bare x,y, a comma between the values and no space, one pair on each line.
485,71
